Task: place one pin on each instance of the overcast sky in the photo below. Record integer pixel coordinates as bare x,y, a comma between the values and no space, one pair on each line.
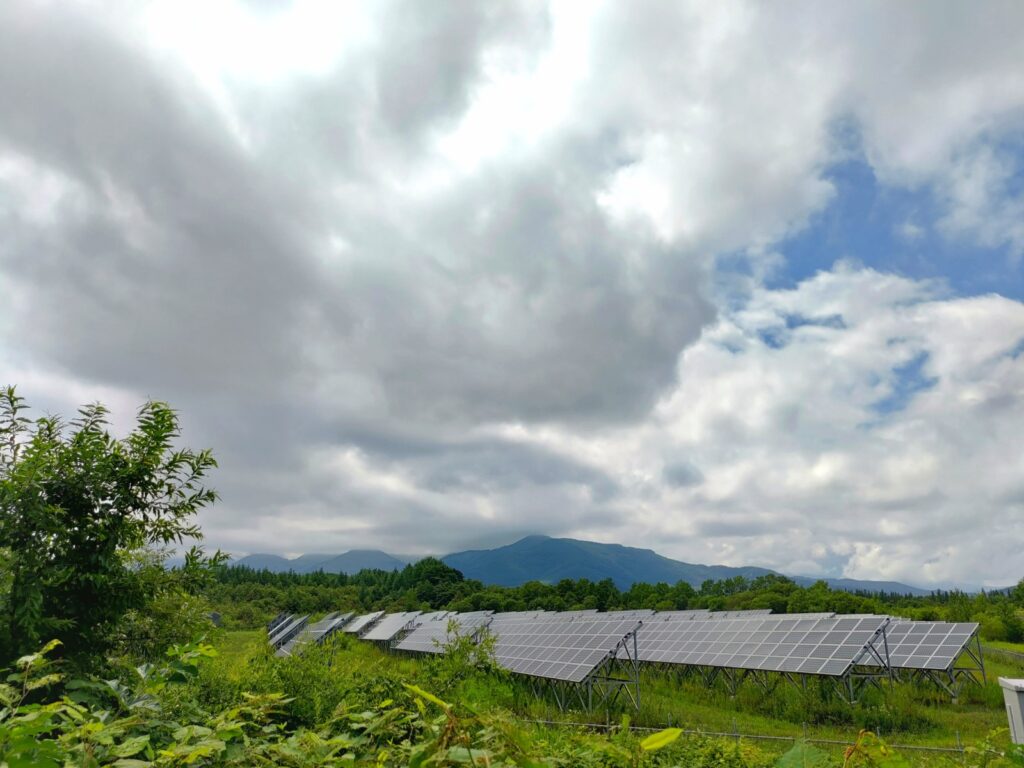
741,283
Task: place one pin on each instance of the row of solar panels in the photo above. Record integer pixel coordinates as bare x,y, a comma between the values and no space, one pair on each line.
288,632
571,645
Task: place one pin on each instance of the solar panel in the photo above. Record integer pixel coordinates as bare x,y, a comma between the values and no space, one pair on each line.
777,643
559,647
474,614
424,617
434,636
287,630
740,614
693,615
359,623
386,629
576,614
640,613
520,614
314,633
276,621
934,645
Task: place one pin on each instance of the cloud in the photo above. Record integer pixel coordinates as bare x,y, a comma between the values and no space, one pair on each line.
422,279
794,452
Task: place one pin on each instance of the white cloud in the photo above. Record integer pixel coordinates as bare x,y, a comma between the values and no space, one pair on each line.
797,463
423,277
982,202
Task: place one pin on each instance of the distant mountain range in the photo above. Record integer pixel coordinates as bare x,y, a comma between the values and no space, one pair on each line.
541,558
350,562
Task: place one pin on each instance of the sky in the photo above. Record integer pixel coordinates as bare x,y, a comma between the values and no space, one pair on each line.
738,282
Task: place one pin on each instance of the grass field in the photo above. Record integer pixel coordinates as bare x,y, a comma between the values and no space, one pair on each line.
906,714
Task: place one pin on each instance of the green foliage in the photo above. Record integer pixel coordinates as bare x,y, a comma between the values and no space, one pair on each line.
74,501
661,739
804,755
248,598
152,721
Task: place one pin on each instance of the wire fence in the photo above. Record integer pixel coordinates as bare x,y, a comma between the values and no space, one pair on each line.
1017,656
958,749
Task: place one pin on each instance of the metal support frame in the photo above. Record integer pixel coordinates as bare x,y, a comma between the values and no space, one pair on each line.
869,667
618,673
764,680
959,674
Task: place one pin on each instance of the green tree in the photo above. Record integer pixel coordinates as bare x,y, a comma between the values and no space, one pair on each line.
75,502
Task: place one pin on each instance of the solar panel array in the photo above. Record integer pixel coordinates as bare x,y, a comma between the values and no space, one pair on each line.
433,636
276,622
806,646
286,630
680,615
520,614
739,614
314,633
638,614
570,645
557,647
475,614
359,623
424,617
934,645
392,624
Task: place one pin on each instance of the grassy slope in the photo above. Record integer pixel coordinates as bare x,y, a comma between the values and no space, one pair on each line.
933,720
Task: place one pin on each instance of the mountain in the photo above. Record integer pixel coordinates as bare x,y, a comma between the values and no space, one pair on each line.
349,562
274,563
358,559
540,558
308,563
861,585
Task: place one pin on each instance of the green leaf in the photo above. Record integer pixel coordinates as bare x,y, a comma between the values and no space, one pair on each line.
803,755
660,739
417,691
130,747
465,755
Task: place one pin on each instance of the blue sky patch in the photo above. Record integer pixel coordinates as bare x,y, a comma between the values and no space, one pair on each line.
893,230
908,380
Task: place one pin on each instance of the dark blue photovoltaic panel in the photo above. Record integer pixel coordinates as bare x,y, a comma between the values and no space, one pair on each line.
425,617
559,647
314,633
391,625
360,623
934,645
777,643
287,630
687,615
434,636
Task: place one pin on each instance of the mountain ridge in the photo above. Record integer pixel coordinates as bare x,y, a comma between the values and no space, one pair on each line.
352,561
547,559
541,558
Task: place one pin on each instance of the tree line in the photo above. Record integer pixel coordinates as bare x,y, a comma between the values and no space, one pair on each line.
249,596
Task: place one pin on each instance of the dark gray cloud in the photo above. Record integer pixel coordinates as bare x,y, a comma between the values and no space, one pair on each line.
176,261
681,474
172,264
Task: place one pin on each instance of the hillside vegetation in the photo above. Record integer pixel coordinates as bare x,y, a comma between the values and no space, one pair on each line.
248,598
